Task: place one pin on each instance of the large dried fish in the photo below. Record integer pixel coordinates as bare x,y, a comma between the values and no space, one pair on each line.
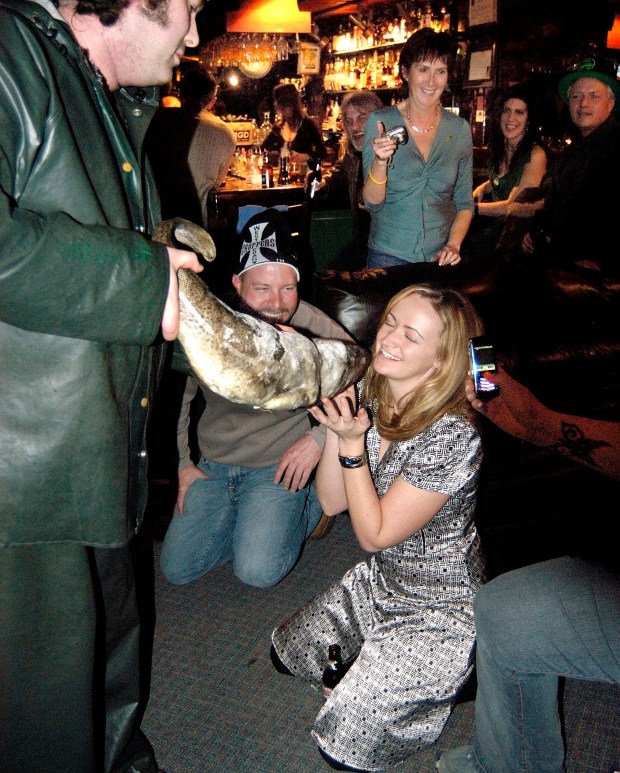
247,360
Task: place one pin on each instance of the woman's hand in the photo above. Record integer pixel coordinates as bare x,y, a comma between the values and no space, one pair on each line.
447,256
338,414
383,147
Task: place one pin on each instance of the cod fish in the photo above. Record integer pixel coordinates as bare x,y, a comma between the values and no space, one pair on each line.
244,359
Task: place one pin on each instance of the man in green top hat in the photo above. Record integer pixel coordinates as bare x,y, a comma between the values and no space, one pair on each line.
578,221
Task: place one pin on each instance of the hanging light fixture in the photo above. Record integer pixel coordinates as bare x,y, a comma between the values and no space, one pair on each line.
254,37
281,16
253,54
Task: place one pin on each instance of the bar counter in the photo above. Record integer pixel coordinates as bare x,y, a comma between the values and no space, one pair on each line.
236,191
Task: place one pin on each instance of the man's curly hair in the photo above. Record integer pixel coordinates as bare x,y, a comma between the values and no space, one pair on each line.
109,11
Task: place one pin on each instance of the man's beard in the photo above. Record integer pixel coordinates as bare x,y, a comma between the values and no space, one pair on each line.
284,315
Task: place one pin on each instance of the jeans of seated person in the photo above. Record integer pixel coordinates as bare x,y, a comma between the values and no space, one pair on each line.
556,618
379,259
239,514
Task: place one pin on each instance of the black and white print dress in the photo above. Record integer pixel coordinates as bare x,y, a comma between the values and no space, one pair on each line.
404,614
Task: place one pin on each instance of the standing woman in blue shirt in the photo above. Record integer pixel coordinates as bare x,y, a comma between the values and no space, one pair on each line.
420,194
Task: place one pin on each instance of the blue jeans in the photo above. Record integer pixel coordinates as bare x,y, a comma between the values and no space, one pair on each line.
239,514
556,618
379,259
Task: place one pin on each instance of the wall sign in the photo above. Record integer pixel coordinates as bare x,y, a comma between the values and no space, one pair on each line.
309,59
481,66
482,12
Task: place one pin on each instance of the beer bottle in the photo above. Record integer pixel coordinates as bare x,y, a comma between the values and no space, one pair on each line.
285,154
334,670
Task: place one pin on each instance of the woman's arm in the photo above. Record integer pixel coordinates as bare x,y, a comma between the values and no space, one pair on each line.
532,176
375,184
377,523
480,190
383,523
328,480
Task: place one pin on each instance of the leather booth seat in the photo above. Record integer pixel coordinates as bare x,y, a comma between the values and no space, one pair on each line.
556,330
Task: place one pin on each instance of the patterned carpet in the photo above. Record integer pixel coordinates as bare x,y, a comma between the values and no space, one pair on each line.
217,704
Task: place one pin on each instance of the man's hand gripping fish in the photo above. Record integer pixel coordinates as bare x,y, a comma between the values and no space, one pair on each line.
244,359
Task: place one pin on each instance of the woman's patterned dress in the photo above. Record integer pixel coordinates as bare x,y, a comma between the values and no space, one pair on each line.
404,615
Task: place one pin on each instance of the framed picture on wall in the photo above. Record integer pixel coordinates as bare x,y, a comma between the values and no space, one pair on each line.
482,12
309,59
480,69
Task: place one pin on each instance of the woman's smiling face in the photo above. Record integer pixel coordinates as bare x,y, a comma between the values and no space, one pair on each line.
513,120
407,344
427,81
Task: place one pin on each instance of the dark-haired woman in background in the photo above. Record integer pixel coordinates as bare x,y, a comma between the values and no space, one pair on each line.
294,128
518,161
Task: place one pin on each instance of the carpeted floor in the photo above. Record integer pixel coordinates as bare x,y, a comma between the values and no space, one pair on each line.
217,704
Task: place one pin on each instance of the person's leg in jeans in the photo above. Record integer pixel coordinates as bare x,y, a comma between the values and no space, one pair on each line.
202,538
379,259
560,617
272,525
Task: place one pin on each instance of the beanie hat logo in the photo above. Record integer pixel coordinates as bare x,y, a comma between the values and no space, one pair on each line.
252,251
265,239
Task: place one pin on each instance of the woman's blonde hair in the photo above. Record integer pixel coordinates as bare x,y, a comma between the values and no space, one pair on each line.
444,391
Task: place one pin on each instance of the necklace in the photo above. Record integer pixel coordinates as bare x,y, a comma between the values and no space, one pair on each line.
417,128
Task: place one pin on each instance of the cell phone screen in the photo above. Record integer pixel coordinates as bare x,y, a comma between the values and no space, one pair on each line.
482,360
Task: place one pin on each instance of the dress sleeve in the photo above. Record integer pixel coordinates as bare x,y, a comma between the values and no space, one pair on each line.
444,457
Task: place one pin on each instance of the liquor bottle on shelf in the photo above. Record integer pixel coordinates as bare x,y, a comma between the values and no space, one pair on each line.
334,670
266,172
264,129
254,176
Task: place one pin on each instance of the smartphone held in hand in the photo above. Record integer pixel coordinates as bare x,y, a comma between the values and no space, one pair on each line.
481,361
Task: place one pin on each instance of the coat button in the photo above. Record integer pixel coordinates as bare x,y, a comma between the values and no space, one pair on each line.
142,454
127,167
144,402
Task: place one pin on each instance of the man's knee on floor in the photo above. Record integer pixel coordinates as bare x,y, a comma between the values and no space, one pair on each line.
261,573
174,572
260,576
497,629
